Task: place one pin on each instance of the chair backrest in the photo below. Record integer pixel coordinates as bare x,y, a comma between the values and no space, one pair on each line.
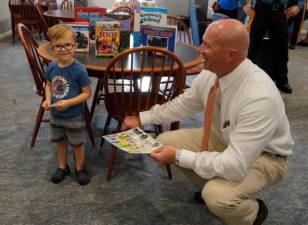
183,35
43,22
139,78
22,10
123,9
37,64
68,4
133,4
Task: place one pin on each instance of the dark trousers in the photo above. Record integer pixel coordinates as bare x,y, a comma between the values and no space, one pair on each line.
230,13
276,24
296,20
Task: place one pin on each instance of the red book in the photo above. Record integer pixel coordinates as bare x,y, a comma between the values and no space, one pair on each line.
89,14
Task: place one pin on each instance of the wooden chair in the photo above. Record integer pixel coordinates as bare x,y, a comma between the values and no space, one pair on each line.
38,67
24,11
43,21
133,4
183,35
68,4
134,81
123,9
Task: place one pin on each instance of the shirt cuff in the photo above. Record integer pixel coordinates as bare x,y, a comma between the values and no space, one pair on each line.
145,117
187,159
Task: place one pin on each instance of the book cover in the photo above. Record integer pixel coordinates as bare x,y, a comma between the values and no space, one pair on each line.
133,141
153,15
125,21
90,15
107,35
82,35
159,36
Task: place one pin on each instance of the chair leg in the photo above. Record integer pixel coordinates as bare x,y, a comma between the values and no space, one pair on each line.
88,125
37,125
175,125
112,159
169,171
158,129
95,98
113,156
108,120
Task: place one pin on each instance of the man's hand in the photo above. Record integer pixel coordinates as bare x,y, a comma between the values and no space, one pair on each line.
292,11
164,155
130,122
249,10
62,105
46,104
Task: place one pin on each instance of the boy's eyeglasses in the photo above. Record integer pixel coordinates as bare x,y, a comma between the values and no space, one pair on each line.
66,46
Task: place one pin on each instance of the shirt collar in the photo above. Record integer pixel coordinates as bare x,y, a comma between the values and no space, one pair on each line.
236,76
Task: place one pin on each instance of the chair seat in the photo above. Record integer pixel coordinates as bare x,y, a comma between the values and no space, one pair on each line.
125,106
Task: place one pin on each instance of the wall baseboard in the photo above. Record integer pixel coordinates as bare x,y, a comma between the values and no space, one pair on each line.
5,34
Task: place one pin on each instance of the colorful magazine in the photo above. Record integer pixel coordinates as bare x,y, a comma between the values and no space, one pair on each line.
90,15
125,21
107,35
133,141
159,36
82,35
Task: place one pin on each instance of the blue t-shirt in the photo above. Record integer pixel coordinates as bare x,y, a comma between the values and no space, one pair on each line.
228,4
67,83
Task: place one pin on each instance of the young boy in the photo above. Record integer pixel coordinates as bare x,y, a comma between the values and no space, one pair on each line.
66,92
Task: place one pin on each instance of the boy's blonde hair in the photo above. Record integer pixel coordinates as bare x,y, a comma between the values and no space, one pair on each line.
59,31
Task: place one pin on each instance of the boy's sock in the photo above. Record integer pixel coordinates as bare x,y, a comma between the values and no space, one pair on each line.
82,176
60,175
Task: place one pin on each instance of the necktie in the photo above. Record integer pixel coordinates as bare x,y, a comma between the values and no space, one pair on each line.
209,109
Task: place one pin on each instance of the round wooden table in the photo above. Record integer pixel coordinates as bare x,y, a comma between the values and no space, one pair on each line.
97,65
64,15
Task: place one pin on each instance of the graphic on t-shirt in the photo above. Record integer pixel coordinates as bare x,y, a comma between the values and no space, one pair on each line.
60,87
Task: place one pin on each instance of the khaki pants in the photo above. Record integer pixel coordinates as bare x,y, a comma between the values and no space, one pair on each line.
232,201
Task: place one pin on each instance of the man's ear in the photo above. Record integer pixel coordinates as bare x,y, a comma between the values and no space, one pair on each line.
232,53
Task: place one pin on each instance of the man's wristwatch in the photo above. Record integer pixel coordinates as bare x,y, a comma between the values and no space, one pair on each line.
177,156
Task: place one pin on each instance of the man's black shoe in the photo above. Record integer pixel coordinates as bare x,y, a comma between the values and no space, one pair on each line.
302,43
82,177
286,88
292,46
198,198
60,175
262,213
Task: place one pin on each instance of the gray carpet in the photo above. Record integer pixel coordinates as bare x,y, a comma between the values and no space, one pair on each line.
139,193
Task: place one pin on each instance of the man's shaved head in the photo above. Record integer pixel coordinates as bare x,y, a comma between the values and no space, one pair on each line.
229,33
225,46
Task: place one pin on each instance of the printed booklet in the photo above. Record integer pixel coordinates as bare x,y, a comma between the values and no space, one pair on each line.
133,141
82,35
107,35
159,36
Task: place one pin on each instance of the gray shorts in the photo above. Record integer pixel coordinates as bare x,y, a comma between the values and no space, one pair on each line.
67,129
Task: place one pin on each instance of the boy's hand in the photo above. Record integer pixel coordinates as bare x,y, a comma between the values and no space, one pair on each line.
46,104
130,122
62,105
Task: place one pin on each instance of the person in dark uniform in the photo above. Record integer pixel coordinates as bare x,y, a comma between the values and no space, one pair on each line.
272,16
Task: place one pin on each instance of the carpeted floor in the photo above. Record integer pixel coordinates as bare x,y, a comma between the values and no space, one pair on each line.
139,193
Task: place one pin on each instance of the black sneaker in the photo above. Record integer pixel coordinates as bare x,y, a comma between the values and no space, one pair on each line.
60,175
82,177
262,213
198,198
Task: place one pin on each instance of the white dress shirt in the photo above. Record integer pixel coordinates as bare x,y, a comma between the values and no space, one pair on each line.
250,119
